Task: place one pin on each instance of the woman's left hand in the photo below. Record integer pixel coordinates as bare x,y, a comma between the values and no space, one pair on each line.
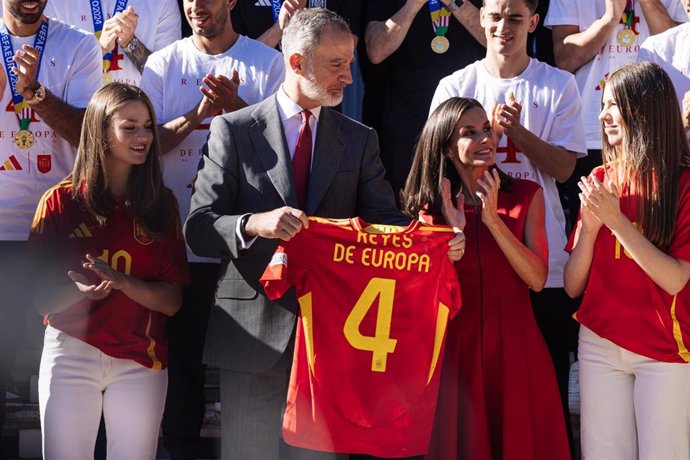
455,217
602,200
489,196
105,271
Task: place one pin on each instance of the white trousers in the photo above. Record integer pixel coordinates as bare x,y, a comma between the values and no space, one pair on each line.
632,407
77,382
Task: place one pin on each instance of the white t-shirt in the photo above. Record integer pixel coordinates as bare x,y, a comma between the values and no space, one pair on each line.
591,76
158,26
551,110
71,70
172,78
671,50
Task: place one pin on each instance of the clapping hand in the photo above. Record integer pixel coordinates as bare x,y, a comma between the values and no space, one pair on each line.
488,194
220,93
89,290
119,28
454,214
603,201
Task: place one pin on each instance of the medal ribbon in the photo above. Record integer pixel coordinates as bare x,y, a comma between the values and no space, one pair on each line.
21,108
99,20
275,9
439,17
629,14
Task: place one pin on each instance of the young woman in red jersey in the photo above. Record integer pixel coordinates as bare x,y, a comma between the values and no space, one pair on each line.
498,397
108,247
631,260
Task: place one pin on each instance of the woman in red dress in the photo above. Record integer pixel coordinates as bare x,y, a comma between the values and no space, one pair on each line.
498,397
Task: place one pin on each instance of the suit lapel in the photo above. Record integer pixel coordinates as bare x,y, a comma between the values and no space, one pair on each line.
330,146
270,145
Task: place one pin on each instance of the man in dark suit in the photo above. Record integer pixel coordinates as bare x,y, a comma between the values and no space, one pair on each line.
246,199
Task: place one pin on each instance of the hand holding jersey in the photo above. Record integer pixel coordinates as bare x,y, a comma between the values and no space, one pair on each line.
454,215
346,356
282,223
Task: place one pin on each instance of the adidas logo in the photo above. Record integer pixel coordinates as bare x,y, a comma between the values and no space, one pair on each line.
262,3
11,165
81,232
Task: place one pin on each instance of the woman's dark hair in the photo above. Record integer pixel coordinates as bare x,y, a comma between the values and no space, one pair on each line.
431,164
654,148
147,198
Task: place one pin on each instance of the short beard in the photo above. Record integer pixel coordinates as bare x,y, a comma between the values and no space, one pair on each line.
26,18
319,95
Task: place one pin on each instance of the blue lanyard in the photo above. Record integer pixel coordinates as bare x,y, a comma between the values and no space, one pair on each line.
8,54
97,14
275,9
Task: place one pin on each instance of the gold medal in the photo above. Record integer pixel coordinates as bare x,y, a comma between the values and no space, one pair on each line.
626,37
24,139
440,44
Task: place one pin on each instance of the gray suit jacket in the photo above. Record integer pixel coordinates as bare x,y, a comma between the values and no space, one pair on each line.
246,168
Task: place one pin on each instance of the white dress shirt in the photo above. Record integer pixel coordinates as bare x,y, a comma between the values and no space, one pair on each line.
291,119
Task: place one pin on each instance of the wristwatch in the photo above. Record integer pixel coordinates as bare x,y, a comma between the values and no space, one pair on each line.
39,95
132,45
454,5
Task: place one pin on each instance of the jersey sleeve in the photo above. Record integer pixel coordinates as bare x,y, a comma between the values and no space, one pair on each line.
169,25
680,244
275,277
87,68
45,258
45,223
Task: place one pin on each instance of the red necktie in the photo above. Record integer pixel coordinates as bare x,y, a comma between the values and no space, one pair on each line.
301,162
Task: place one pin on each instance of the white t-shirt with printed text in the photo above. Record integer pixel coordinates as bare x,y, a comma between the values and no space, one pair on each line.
591,76
71,70
671,50
158,25
172,78
551,110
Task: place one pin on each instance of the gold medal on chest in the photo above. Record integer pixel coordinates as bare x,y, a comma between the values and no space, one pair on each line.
24,139
626,37
440,44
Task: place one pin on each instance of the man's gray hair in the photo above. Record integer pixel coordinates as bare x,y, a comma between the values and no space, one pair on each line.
306,27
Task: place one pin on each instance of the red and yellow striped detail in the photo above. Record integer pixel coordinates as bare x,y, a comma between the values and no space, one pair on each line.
678,334
38,224
151,349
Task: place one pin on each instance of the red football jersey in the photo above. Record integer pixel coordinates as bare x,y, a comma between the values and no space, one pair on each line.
622,304
374,304
63,233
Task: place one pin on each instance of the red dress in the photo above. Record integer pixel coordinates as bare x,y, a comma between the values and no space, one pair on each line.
498,397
